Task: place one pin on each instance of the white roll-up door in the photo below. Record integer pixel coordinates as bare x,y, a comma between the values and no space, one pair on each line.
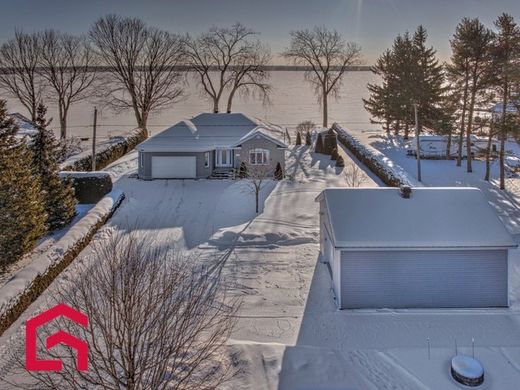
174,167
429,279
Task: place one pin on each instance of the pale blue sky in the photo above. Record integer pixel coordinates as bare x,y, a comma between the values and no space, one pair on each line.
371,23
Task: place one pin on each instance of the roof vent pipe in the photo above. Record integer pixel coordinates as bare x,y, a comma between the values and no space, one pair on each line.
405,191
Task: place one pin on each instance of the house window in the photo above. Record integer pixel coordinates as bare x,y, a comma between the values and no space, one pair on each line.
259,157
206,159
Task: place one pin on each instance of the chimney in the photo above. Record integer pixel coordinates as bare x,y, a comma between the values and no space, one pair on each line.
405,191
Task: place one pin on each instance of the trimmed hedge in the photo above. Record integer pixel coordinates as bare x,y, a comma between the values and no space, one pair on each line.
108,155
388,175
40,283
90,187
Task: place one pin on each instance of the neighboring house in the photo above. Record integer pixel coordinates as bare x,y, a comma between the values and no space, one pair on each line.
437,248
434,146
26,127
211,143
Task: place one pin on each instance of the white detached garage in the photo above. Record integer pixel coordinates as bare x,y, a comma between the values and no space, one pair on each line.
432,248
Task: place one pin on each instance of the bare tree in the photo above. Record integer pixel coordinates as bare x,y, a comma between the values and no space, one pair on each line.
305,126
228,57
256,179
142,65
156,321
328,56
19,61
250,75
67,63
354,176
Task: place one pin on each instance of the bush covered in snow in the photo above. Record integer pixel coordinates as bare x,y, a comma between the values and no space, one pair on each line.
89,187
107,155
373,159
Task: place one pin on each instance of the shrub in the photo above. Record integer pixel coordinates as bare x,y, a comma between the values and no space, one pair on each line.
376,163
318,148
278,172
340,162
334,155
330,142
308,139
298,138
89,187
242,171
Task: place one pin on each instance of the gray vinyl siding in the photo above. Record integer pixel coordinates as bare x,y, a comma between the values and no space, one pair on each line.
424,279
277,155
145,163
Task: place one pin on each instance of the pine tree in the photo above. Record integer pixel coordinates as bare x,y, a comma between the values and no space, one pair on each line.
22,214
506,56
278,172
308,139
58,193
472,70
411,75
318,148
298,138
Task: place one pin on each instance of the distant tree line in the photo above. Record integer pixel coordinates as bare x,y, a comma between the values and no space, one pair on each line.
484,69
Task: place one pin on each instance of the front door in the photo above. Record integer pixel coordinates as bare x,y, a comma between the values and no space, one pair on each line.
223,158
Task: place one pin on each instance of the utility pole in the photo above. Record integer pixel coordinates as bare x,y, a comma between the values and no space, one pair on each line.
94,140
418,143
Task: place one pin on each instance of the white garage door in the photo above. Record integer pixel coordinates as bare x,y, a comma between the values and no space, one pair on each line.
174,167
433,279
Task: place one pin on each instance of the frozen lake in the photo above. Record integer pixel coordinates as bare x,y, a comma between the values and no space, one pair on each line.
292,101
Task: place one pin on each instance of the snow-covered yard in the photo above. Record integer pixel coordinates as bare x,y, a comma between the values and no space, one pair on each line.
289,334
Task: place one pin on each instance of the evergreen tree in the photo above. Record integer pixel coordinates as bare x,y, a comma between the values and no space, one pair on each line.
506,55
298,138
334,155
411,75
308,139
242,172
340,162
329,142
58,193
278,172
22,214
318,148
472,70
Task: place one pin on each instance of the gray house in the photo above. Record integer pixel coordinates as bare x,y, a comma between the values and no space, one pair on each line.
211,144
431,248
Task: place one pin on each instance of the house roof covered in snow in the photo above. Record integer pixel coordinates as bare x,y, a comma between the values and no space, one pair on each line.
25,126
209,131
498,108
431,218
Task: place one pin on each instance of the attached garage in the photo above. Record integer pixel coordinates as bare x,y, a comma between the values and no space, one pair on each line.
431,248
174,167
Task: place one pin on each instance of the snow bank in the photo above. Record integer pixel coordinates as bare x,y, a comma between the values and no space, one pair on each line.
27,284
378,163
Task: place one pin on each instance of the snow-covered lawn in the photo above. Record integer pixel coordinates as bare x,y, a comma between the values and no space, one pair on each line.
289,334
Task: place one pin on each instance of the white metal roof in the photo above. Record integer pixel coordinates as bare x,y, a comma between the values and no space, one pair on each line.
431,218
206,132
